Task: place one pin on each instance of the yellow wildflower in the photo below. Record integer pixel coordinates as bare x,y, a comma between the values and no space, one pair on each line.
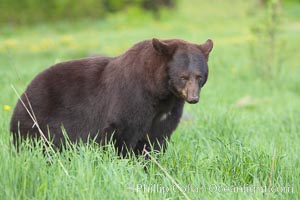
46,44
6,107
10,43
67,39
34,48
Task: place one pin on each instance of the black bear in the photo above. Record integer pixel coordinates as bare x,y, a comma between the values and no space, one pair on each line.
135,98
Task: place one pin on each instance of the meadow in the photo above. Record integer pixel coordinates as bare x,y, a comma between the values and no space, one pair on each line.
241,141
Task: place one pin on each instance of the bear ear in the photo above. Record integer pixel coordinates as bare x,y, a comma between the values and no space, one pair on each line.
206,47
162,47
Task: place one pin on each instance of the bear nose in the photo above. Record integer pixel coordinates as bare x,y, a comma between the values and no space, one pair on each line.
193,100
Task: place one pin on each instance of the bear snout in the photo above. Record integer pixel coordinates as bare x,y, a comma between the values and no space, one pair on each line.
193,100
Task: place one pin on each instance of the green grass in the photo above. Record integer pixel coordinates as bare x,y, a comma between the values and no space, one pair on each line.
245,121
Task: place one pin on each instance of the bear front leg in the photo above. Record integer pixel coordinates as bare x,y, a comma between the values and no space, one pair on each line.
162,127
124,139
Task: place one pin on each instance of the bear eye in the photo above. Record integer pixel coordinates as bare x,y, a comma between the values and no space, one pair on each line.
184,78
198,77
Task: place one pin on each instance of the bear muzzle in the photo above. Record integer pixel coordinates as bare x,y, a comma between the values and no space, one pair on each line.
191,97
192,93
193,100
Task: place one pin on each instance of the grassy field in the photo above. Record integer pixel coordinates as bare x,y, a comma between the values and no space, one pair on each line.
240,142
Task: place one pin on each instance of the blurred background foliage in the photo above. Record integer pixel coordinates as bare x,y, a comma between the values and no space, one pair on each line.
33,11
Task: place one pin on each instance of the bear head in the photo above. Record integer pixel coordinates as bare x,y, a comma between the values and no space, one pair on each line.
187,66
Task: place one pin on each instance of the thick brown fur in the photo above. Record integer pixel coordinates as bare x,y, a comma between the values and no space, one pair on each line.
134,97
